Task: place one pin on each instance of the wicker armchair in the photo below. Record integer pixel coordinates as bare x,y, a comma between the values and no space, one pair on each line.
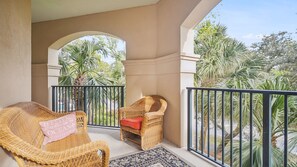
151,109
21,135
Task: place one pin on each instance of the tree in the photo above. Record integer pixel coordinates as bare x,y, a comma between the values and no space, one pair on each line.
220,55
226,62
279,51
277,112
117,76
81,62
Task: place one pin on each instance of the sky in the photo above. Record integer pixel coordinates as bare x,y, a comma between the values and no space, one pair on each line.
249,20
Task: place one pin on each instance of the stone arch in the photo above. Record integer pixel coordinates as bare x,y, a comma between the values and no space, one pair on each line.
53,68
58,44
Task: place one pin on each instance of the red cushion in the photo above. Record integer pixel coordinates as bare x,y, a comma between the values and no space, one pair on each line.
134,123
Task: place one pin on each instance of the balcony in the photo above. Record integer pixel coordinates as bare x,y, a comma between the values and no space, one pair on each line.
247,120
205,126
101,104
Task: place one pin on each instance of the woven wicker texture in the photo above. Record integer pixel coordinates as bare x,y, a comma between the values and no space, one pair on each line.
152,109
20,134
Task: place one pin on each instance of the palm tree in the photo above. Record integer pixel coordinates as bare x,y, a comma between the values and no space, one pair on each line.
277,109
220,56
80,62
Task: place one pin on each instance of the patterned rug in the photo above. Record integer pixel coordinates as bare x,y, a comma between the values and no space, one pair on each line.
156,157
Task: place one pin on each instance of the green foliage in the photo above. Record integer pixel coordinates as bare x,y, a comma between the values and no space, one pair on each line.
279,51
82,62
270,65
220,55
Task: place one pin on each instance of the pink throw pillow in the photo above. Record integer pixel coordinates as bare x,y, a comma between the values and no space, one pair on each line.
59,128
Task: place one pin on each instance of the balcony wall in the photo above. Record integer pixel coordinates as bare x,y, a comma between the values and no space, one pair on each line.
155,59
15,47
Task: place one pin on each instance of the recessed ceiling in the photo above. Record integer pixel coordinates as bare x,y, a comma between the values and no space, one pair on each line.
44,10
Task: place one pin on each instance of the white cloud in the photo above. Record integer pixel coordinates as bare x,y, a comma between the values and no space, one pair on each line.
253,36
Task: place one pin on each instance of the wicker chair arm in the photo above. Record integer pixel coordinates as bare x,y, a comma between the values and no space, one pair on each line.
153,115
23,149
81,120
130,112
150,120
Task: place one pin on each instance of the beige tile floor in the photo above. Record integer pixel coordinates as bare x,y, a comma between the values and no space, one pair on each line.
119,148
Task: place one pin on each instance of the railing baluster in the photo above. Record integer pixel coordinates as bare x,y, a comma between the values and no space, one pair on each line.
85,103
122,96
266,130
196,122
96,111
202,123
114,113
59,101
208,119
223,127
240,129
118,105
93,103
231,128
190,119
73,98
78,98
53,98
100,100
64,99
215,125
68,101
56,99
285,130
106,109
251,130
110,106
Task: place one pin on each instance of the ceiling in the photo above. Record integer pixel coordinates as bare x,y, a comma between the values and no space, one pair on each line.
44,10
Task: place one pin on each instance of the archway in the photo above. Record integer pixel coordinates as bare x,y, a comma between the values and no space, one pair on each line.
55,49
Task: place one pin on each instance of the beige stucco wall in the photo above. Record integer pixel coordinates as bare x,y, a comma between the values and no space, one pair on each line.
155,63
176,18
137,26
15,58
15,55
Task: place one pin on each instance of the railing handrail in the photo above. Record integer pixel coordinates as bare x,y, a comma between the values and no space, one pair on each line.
88,86
283,92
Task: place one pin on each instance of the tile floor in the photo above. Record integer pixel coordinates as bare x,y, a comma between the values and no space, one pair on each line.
119,148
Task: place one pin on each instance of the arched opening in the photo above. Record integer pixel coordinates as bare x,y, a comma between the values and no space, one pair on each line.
189,58
89,76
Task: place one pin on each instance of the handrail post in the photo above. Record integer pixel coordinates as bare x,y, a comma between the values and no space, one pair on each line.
266,154
189,119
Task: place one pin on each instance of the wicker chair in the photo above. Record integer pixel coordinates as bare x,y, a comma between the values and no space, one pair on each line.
151,109
21,135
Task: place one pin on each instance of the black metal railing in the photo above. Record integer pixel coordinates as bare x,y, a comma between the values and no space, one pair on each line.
100,103
233,127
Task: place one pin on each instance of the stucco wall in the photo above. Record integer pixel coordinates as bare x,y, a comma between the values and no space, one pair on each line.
137,26
15,55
